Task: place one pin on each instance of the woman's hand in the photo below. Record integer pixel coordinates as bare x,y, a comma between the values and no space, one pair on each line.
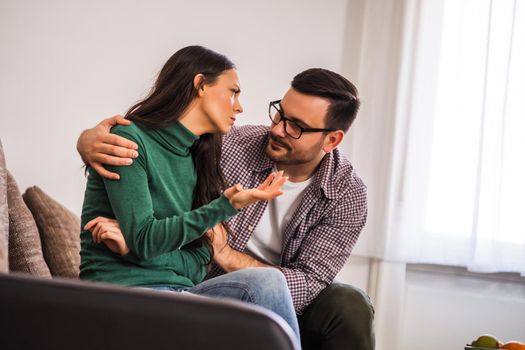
98,146
269,189
107,231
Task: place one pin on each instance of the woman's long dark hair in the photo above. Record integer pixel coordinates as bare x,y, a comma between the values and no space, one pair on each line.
170,96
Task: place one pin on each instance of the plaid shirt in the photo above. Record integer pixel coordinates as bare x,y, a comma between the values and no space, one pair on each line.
324,229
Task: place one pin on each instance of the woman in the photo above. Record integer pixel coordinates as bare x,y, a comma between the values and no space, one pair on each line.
171,195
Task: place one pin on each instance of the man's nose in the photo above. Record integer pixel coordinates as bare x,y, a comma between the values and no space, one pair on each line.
278,129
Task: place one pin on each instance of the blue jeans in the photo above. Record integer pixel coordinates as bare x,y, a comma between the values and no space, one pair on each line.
262,286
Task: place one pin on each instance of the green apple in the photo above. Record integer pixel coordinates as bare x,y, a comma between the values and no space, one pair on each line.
486,341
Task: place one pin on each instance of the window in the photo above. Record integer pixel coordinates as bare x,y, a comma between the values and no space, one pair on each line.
461,193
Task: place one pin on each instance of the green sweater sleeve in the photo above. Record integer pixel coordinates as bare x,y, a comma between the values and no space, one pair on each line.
146,236
202,255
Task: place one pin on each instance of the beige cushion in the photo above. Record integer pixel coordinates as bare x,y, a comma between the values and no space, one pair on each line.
4,215
59,232
25,250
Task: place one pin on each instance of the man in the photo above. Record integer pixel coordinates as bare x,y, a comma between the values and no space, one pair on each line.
309,231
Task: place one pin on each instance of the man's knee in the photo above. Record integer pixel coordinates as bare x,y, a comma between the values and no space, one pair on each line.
350,302
340,314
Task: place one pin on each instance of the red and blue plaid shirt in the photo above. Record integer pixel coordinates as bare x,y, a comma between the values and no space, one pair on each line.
320,237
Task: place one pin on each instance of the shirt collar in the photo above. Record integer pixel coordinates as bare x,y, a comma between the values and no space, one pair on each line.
323,177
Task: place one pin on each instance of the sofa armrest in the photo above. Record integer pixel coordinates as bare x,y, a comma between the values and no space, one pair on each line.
65,314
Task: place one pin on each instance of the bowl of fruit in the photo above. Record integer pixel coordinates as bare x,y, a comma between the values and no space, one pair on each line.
490,342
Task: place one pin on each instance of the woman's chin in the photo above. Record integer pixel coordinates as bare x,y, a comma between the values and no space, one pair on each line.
226,129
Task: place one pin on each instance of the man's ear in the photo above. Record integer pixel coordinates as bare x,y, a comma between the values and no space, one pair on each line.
332,140
198,83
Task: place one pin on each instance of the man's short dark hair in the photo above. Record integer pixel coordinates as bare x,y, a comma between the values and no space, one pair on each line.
342,94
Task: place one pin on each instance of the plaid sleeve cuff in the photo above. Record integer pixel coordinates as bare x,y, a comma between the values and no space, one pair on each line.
298,286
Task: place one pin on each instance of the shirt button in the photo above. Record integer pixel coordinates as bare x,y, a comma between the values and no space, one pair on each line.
250,228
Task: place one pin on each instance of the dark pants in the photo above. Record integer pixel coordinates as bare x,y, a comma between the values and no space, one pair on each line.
341,317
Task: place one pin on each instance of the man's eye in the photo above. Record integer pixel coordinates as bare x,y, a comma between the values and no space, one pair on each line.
295,126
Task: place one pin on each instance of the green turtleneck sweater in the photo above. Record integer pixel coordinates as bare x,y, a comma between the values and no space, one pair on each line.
152,202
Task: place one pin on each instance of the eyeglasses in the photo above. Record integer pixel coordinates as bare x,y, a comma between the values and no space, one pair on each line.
294,130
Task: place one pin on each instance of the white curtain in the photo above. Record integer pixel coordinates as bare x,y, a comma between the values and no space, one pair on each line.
458,187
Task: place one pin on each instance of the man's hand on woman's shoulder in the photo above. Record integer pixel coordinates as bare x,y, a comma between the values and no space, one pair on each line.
97,146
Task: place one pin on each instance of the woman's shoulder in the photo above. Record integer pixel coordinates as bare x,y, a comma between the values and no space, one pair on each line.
132,132
135,133
131,129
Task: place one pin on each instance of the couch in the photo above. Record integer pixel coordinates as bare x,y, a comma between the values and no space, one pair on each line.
44,305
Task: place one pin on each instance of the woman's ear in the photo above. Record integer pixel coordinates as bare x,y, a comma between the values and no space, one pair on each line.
198,83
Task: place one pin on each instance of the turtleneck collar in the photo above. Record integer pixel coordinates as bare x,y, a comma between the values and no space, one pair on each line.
177,138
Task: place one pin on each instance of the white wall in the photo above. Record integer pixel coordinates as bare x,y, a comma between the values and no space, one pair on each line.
65,65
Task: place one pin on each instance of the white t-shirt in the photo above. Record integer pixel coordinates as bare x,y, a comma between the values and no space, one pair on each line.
266,240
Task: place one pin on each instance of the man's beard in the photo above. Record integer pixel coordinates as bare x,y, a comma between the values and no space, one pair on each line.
289,157
281,158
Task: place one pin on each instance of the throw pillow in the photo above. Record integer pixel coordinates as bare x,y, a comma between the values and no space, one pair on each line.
4,215
25,250
59,232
